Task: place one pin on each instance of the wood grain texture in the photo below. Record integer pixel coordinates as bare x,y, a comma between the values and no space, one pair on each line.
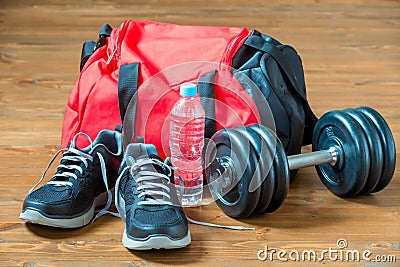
351,56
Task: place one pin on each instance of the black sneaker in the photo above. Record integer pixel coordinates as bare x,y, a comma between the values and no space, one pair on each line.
147,201
80,184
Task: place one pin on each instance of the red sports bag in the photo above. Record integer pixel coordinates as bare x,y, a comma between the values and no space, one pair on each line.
243,77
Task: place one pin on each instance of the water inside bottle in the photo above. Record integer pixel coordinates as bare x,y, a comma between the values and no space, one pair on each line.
186,144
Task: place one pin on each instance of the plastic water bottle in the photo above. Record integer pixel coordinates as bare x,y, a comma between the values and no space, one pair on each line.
186,143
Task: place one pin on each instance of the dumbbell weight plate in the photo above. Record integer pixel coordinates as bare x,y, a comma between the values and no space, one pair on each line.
388,147
231,190
349,175
264,162
282,178
375,150
269,182
279,169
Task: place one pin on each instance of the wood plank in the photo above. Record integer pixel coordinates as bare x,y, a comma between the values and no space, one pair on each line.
350,52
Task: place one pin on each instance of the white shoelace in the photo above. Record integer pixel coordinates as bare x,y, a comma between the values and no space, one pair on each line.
148,182
148,186
77,156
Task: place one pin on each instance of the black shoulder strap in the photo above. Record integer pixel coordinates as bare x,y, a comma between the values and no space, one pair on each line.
207,99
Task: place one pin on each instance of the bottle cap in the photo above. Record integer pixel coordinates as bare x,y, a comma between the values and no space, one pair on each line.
188,89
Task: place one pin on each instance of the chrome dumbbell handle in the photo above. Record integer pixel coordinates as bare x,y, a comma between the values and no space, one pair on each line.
328,156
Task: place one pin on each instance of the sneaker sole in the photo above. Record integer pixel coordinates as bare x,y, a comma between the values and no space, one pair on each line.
35,217
153,242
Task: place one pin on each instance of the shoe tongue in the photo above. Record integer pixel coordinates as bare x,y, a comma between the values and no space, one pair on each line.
139,150
73,146
144,151
152,166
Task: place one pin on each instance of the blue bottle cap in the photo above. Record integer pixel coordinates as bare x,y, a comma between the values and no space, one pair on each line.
188,90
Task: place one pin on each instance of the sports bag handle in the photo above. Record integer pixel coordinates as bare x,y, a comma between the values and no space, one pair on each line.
207,100
105,32
87,50
89,47
127,88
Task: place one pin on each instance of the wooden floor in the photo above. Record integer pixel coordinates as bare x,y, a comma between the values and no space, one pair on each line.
351,56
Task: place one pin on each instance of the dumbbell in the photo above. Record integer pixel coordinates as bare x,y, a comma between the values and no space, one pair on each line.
248,170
